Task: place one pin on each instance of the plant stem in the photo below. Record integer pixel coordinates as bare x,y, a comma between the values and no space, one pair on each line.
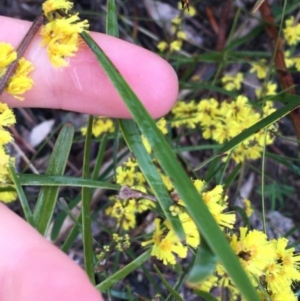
21,50
86,210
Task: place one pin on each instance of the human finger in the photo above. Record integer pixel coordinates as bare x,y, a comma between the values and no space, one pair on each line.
31,268
83,86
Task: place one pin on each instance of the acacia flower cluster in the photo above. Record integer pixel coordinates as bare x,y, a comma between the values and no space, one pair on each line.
272,266
291,31
232,82
60,35
125,211
18,84
291,34
101,126
162,126
222,122
178,35
165,244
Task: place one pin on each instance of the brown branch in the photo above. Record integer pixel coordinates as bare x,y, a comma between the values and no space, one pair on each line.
223,25
21,50
285,78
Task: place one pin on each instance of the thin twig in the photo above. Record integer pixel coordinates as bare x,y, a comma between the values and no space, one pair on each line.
223,25
21,50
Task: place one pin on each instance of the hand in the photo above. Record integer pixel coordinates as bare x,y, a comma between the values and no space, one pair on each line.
31,269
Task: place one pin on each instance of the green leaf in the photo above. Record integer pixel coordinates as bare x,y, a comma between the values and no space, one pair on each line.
205,295
112,19
170,289
134,142
293,102
48,195
86,219
232,175
22,197
182,183
60,218
243,214
121,274
48,180
204,265
284,161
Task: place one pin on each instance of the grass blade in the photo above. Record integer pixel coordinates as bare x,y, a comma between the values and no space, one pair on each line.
121,274
163,152
48,180
111,19
204,266
134,142
170,289
48,195
23,200
86,207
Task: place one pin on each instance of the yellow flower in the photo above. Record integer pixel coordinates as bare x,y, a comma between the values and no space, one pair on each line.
191,11
185,114
7,56
176,21
19,82
61,38
7,118
269,89
100,126
125,176
288,60
50,6
124,213
8,196
285,294
165,245
296,62
190,229
232,82
260,68
181,35
208,109
162,46
291,31
166,180
162,126
248,207
280,274
175,45
199,185
254,250
216,202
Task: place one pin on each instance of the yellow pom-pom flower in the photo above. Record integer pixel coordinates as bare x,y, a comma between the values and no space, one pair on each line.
232,82
260,68
61,38
20,82
291,31
7,56
51,6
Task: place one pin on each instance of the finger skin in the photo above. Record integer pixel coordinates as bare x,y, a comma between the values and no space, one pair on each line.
83,86
33,269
